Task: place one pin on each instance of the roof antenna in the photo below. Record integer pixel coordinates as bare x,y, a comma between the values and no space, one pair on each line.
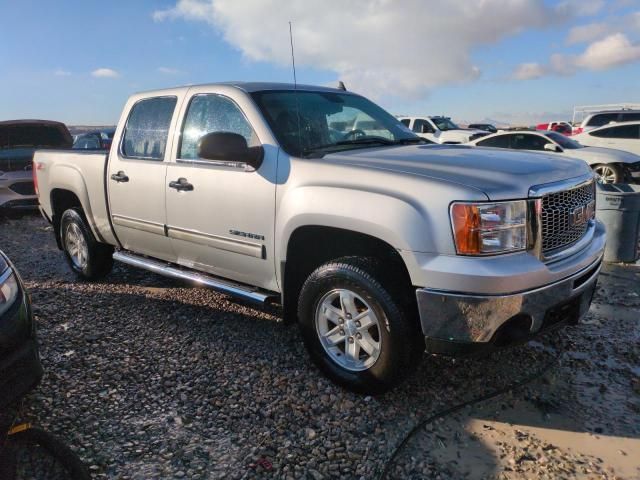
295,88
293,58
341,86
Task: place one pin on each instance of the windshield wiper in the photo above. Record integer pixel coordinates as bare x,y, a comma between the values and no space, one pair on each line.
357,141
410,140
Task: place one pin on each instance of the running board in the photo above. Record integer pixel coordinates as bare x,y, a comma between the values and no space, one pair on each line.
174,271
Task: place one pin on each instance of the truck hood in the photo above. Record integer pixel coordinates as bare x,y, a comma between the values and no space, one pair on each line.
593,155
498,173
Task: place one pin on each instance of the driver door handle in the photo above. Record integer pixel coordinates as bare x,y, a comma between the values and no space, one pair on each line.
182,185
120,177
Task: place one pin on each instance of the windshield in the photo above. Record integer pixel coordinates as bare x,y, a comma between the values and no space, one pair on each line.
564,141
307,122
444,123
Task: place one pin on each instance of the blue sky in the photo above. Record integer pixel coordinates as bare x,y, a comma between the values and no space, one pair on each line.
460,65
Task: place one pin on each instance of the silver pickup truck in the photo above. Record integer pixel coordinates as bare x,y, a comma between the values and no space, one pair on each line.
316,198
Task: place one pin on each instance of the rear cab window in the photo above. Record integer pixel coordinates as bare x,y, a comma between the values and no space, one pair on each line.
147,129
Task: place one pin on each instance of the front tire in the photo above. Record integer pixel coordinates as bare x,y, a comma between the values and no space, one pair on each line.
610,173
88,259
357,332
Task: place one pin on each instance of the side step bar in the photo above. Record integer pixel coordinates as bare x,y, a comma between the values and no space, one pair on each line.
175,271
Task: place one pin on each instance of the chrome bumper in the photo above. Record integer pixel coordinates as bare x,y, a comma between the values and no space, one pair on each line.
467,318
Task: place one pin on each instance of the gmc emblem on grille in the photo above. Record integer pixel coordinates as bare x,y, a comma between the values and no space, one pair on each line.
582,214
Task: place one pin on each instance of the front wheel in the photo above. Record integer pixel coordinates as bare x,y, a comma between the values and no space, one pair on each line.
358,333
609,173
88,258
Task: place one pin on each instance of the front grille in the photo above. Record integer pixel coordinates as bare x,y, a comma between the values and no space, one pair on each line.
23,188
557,210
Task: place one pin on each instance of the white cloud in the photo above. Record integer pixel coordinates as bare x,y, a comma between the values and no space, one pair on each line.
612,51
374,46
105,73
169,71
588,33
59,72
581,7
528,71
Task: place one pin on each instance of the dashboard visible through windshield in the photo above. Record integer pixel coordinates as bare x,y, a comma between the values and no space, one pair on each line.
308,122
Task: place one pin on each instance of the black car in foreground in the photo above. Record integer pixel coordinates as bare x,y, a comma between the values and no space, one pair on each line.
20,367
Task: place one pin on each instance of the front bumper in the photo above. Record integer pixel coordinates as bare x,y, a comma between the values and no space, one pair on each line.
461,323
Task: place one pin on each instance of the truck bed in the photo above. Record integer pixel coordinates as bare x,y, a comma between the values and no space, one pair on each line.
76,171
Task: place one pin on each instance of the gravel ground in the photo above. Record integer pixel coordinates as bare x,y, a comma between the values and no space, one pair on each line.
150,378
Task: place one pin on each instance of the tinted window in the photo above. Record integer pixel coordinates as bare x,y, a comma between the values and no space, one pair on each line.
621,131
29,135
148,127
419,123
523,141
500,141
212,113
630,117
87,142
405,122
302,121
602,119
563,141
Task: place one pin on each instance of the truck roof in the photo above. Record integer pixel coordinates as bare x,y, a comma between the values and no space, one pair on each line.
250,87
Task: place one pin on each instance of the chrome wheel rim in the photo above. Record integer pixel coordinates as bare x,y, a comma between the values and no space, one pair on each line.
605,174
76,246
349,330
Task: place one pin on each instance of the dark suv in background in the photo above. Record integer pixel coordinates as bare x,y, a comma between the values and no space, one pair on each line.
18,140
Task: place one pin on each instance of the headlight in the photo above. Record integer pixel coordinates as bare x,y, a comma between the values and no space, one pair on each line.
8,290
489,228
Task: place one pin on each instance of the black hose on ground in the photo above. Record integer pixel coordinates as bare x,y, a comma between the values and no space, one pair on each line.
422,423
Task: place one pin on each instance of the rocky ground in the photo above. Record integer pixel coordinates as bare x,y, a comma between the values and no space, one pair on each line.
151,378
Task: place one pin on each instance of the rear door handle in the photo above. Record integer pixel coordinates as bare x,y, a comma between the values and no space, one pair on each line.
120,177
182,185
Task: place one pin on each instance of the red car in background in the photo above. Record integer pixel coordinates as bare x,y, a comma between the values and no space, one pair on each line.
560,127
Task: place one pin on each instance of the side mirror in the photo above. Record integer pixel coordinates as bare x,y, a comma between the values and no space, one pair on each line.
229,147
552,147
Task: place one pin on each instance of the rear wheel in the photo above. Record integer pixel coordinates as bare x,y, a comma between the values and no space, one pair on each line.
357,332
89,259
610,173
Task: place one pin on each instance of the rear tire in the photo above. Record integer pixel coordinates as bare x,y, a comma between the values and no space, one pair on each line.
359,333
89,259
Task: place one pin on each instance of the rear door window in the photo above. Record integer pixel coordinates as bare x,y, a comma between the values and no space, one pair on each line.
620,131
528,142
630,117
500,141
601,119
147,129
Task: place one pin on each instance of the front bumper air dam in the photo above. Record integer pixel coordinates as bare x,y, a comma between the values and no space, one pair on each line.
461,324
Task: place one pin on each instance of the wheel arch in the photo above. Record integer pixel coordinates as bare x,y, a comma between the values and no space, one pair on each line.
310,246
